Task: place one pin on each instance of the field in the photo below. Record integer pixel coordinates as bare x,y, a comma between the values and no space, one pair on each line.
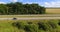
53,10
6,25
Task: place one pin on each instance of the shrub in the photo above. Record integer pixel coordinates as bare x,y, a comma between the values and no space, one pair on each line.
19,25
59,22
29,22
31,28
42,26
48,26
16,24
52,24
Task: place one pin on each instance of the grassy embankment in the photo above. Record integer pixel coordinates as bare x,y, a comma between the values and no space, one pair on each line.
29,25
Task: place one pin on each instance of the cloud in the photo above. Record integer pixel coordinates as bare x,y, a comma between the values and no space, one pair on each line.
30,2
52,4
13,0
2,3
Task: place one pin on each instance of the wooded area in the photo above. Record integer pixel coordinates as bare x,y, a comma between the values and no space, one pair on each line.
18,8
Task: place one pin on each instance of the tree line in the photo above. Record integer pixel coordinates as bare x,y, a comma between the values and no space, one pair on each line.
18,8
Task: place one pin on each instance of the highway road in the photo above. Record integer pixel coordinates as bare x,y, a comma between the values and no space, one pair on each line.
33,18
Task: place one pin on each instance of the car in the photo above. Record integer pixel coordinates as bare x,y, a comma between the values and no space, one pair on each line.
14,18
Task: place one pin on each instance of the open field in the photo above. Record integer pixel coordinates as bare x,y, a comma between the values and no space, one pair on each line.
53,10
6,25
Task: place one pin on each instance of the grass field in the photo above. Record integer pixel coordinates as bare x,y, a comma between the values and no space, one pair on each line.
6,25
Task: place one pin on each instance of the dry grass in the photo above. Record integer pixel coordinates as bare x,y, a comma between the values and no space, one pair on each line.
53,10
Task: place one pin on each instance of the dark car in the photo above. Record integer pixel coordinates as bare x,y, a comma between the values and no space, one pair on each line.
14,18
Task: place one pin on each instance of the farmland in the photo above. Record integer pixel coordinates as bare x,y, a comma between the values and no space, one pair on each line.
53,10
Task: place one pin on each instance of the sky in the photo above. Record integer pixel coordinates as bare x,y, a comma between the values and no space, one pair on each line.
45,3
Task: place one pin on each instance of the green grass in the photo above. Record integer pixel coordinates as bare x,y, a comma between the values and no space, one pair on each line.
6,25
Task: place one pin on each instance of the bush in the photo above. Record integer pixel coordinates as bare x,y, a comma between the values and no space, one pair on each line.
16,24
49,26
43,26
59,22
19,25
31,28
29,22
52,24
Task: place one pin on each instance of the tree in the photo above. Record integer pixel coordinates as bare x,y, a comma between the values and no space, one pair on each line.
19,8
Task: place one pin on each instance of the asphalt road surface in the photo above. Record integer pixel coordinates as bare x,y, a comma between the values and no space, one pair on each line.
37,18
45,16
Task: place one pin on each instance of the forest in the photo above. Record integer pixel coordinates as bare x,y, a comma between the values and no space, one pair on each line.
18,8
